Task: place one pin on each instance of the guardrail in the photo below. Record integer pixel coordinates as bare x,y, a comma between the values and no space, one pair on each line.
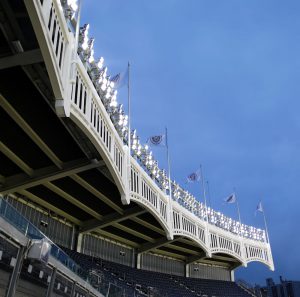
13,217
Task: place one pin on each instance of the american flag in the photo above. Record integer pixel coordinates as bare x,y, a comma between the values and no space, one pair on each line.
116,78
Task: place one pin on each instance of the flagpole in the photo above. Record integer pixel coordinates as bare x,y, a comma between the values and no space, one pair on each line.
267,233
129,123
169,166
208,194
206,213
204,193
238,207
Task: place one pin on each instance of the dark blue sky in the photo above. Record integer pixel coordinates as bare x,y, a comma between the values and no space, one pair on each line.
223,77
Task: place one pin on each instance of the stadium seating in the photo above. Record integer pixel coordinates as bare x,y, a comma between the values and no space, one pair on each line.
136,282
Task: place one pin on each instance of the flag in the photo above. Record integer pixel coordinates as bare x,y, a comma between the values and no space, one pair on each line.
157,140
230,199
120,79
193,177
116,78
259,207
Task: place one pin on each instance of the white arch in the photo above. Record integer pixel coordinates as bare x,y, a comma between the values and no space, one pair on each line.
164,224
201,244
78,119
233,255
269,265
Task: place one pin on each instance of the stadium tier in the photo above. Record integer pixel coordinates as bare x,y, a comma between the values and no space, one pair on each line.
131,279
71,167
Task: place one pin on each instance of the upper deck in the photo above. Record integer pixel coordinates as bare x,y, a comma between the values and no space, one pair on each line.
81,150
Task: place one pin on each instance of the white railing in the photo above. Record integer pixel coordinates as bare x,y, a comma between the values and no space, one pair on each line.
88,111
78,99
144,190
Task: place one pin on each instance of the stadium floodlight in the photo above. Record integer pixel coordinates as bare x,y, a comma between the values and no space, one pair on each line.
135,144
85,43
154,171
133,134
100,62
103,87
176,191
148,160
134,140
120,121
138,150
102,75
125,120
113,103
83,37
114,94
73,4
163,180
70,7
87,48
91,50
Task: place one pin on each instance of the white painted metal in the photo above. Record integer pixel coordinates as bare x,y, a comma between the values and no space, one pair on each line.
80,101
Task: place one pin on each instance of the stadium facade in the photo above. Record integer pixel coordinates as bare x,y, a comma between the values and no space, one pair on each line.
66,168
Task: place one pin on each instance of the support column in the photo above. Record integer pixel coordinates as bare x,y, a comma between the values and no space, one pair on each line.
138,260
74,238
73,289
51,285
133,262
16,273
232,275
79,242
187,270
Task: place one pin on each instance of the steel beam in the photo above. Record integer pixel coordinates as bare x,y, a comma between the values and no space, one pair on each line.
96,193
91,225
181,249
21,59
121,239
195,258
29,131
72,200
14,158
22,181
155,245
44,203
149,226
133,232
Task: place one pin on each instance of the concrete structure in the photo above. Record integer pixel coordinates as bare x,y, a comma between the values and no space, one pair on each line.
65,157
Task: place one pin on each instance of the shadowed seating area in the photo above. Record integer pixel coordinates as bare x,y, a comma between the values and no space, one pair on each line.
133,281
